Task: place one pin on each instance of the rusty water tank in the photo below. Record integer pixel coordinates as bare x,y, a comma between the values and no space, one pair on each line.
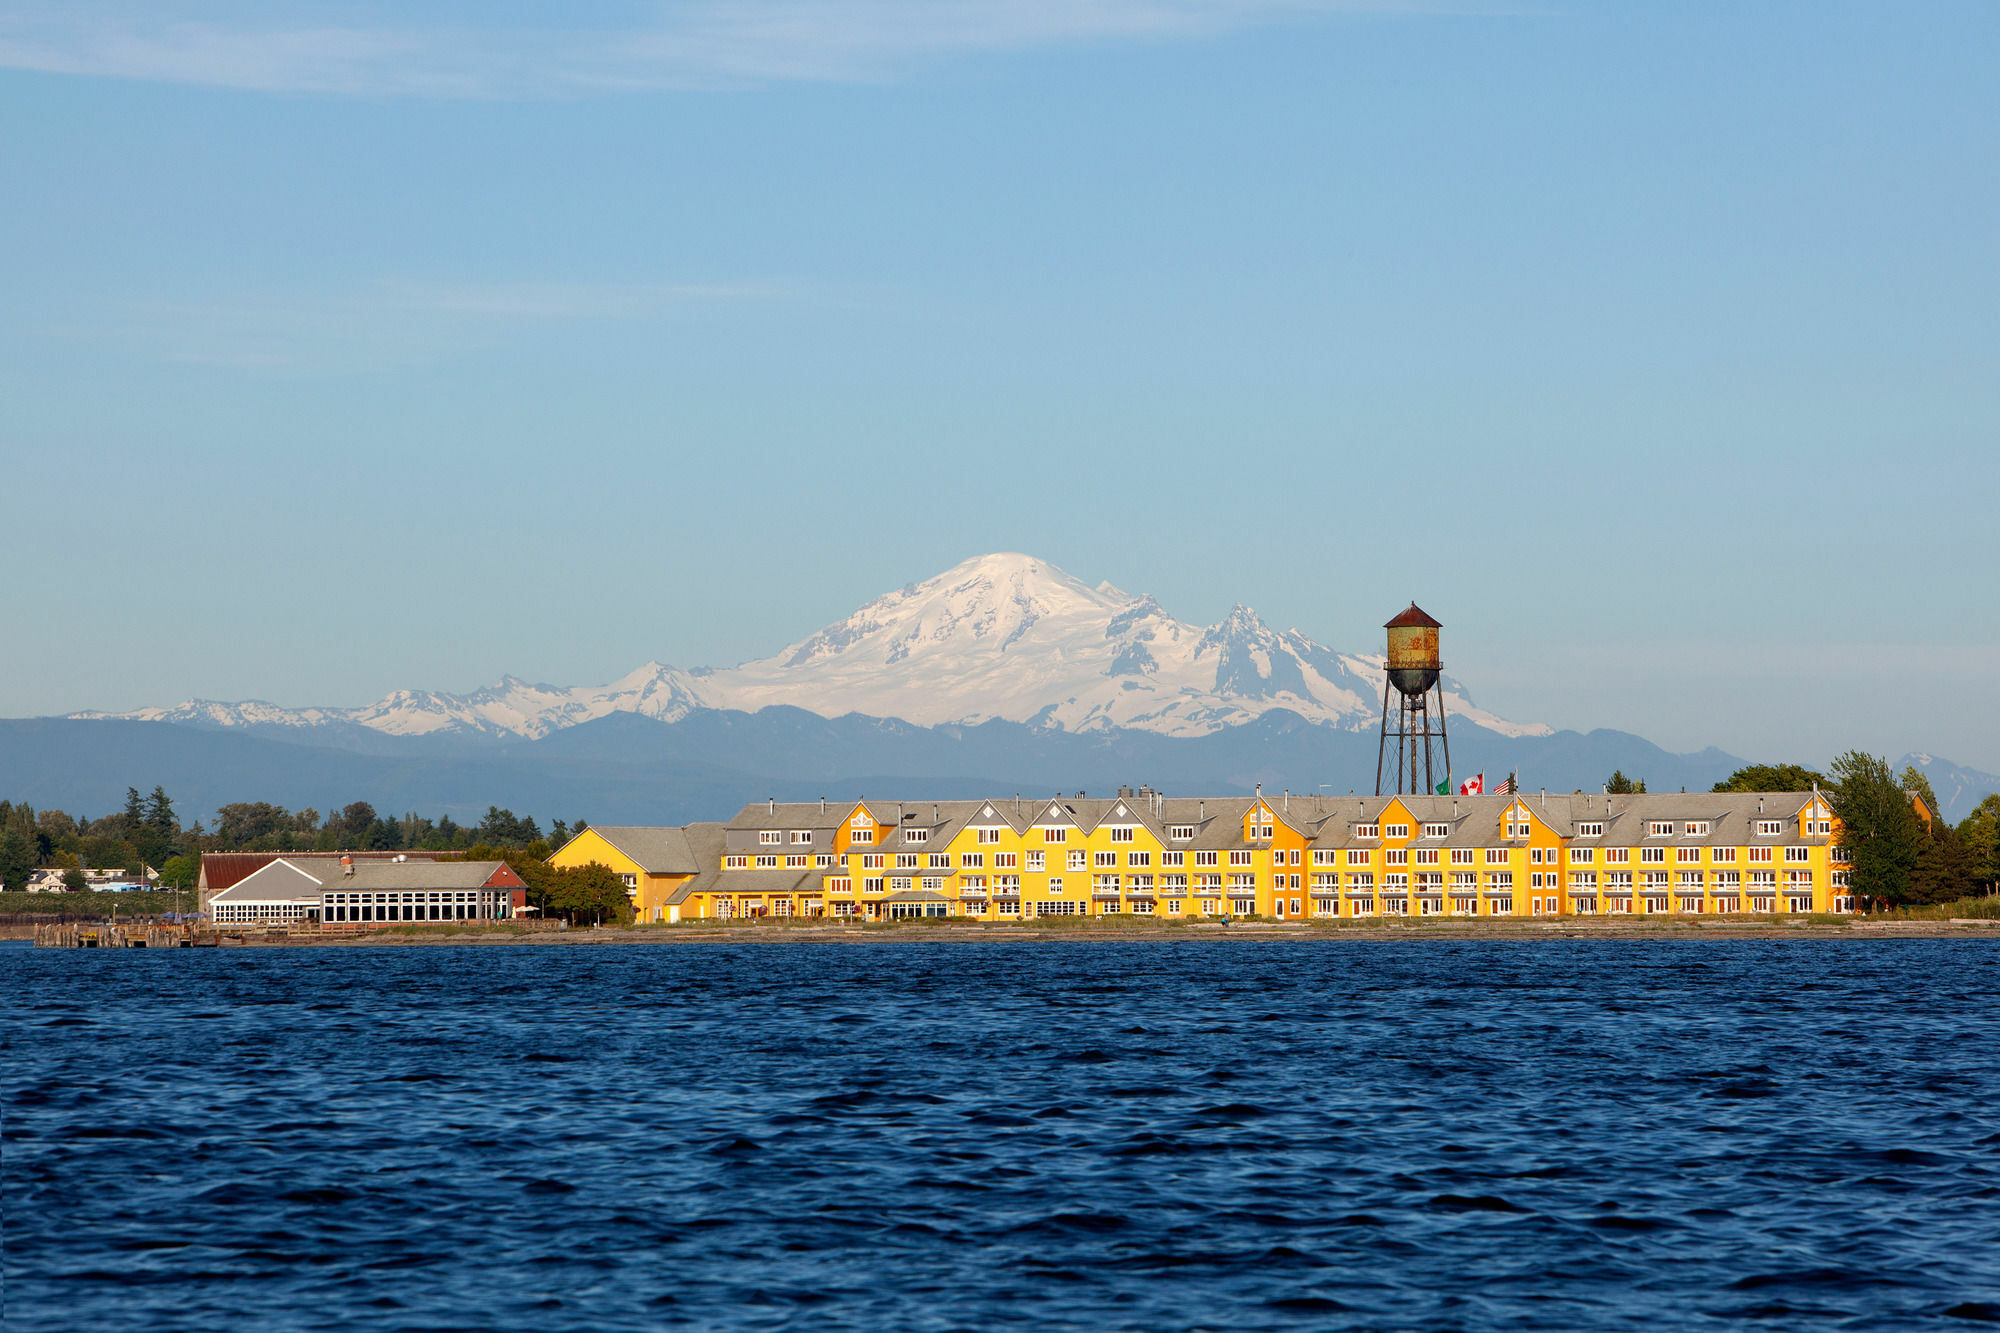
1413,651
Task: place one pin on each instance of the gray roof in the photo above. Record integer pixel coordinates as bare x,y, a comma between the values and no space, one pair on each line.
282,881
659,850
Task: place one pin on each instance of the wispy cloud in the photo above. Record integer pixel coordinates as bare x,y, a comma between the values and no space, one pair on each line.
384,324
499,51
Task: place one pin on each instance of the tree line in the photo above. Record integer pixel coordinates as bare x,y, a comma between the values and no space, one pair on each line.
148,833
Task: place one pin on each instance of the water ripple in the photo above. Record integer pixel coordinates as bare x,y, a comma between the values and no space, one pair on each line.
1580,1135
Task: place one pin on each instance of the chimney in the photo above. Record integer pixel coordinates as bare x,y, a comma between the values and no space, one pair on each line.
346,865
1288,800
774,805
1260,791
822,805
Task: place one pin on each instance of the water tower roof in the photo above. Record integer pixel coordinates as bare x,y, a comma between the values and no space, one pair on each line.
1414,616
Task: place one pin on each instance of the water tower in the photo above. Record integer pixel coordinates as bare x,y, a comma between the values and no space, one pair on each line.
1415,755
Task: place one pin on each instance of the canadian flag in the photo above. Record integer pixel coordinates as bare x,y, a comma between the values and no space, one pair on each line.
1473,786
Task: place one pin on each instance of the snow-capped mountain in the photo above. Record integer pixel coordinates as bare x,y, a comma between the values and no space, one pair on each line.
1000,636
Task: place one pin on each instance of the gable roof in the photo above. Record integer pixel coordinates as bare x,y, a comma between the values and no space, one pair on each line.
282,881
658,849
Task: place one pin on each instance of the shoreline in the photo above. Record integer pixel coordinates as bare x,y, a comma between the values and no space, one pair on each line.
1268,933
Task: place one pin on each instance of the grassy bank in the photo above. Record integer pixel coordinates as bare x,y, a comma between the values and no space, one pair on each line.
95,904
1973,909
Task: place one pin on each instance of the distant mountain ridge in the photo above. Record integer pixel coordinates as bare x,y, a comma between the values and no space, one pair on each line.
1005,636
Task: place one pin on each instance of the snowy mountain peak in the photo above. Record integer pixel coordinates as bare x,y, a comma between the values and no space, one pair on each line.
998,636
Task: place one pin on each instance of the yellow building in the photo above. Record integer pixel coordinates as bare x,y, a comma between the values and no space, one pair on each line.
1283,858
655,862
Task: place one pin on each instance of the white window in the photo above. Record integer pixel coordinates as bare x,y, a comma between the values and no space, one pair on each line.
798,861
770,837
767,863
1104,859
1173,858
736,862
1687,854
1723,856
1696,828
1427,856
1121,835
1496,856
916,835
1437,830
802,837
1138,858
940,861
1038,860
1181,832
1078,859
1277,858
1652,855
1796,854
1367,830
1358,856
973,861
1579,856
1239,858
1660,829
1461,856
1398,831
1204,858
1770,828
1055,835
1590,830
860,837
986,835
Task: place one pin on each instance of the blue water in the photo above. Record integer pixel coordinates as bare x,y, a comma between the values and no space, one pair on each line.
1577,1135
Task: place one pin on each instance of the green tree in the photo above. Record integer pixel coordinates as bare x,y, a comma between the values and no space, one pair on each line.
1914,780
1772,777
1620,785
244,822
1945,867
135,808
180,872
17,860
1980,831
590,891
1881,831
352,824
160,813
75,880
503,828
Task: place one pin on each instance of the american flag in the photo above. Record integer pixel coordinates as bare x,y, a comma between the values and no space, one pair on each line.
1504,787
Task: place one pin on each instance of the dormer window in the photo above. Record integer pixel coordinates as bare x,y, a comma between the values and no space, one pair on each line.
1181,832
1398,831
769,837
1590,830
1367,830
916,835
1660,828
802,837
1770,828
1696,828
1519,828
1436,830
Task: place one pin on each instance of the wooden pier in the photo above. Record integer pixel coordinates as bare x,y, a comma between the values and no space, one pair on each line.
122,935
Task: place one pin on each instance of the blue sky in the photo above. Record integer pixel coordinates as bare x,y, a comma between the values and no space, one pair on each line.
1651,347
